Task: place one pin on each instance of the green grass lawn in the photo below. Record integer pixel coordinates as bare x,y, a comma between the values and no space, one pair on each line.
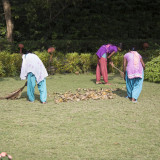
112,129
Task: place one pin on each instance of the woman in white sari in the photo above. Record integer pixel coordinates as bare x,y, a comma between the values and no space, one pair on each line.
34,71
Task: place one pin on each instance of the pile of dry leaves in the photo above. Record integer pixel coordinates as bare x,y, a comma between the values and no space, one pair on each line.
83,94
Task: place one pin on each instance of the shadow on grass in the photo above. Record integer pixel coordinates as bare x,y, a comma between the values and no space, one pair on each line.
119,92
111,78
24,95
2,79
93,80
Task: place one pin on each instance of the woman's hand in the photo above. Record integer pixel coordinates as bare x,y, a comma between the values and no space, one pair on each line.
111,63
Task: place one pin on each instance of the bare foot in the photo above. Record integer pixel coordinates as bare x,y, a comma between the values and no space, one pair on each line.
134,100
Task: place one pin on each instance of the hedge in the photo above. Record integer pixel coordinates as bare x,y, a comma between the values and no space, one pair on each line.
152,71
10,64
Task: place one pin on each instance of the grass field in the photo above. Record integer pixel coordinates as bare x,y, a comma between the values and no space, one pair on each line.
113,129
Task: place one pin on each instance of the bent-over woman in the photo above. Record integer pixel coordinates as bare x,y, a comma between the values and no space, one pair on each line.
34,71
133,67
104,52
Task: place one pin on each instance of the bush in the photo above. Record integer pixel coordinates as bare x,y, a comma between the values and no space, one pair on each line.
10,64
2,71
148,55
118,61
5,59
16,62
152,71
85,62
58,62
72,63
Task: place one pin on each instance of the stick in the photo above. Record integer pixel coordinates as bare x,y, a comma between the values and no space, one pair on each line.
121,73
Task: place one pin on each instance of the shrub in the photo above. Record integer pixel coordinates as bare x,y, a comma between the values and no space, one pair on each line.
2,71
16,62
5,59
11,63
148,55
152,71
94,62
72,63
85,62
118,61
58,62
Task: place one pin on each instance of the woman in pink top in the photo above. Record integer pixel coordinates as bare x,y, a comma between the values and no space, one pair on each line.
133,67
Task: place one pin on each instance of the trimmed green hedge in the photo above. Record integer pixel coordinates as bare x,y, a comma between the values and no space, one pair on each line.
10,64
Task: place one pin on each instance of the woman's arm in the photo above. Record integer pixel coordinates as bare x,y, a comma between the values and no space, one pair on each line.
142,63
110,59
124,67
111,54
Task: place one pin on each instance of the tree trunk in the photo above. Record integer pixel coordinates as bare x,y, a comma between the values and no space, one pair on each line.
9,24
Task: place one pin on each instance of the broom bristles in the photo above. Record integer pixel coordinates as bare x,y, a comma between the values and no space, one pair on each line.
16,94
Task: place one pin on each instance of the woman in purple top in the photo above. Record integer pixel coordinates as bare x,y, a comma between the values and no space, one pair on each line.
104,52
133,67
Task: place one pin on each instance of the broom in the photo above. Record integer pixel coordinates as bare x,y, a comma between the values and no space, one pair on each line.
16,94
121,73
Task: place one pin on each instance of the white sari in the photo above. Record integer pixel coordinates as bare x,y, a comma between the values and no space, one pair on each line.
32,63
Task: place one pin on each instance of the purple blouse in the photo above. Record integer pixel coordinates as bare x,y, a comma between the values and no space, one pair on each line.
106,49
132,70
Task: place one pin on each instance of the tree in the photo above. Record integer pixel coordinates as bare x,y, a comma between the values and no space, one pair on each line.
9,23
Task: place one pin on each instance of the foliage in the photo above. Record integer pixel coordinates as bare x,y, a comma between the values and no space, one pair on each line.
94,61
10,64
16,61
72,62
5,45
85,62
58,62
2,71
85,46
83,20
152,71
148,55
118,61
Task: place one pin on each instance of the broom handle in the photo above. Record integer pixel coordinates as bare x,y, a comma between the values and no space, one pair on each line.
118,69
